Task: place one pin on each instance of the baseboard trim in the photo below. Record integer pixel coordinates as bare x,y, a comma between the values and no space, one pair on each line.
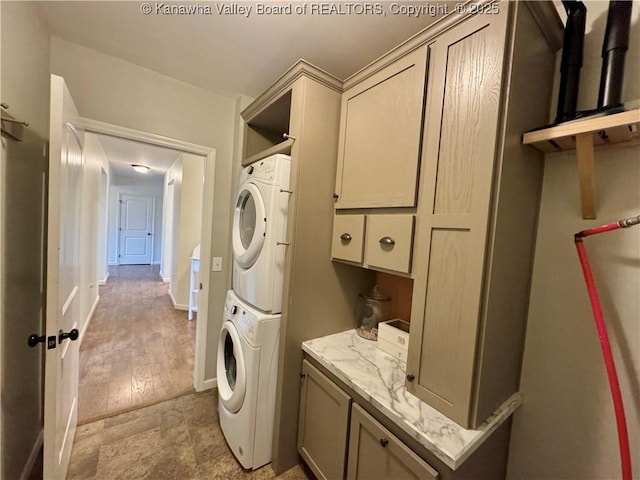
177,306
207,384
113,264
104,282
88,320
31,460
156,262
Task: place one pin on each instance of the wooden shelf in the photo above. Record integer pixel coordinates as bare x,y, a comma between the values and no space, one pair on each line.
583,136
282,147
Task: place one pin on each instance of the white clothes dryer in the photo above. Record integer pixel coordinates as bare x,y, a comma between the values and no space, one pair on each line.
259,232
247,370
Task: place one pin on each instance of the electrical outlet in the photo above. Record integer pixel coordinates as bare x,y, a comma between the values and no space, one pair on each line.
216,264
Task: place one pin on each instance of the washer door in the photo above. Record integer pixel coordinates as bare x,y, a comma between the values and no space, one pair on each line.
249,225
231,372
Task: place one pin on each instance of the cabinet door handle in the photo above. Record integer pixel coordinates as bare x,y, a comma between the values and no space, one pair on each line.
384,441
387,241
410,378
345,237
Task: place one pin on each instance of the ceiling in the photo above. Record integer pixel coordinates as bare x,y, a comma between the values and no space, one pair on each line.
233,53
123,153
227,53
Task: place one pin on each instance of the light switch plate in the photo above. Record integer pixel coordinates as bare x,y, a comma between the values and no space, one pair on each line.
216,264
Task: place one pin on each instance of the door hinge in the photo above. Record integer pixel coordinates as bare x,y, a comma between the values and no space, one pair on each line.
200,285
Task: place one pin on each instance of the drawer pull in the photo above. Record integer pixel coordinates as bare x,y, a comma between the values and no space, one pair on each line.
345,237
387,241
410,378
384,441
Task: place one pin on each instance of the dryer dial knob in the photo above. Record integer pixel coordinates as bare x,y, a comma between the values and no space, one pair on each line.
250,171
234,310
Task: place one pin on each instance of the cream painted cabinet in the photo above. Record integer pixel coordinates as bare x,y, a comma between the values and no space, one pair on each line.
335,434
375,452
376,241
489,80
323,424
380,136
347,242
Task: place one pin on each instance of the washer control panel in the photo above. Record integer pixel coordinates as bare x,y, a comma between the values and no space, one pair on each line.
247,324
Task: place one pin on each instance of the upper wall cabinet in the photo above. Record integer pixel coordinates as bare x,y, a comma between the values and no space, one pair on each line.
380,136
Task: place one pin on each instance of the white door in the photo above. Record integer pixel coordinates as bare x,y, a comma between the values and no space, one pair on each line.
136,230
66,164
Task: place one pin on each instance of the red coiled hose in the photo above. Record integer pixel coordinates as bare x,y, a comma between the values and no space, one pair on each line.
623,436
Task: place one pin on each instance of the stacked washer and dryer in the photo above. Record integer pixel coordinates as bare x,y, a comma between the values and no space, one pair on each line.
249,339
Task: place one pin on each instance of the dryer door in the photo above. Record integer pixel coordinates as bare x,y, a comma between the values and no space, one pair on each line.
231,371
249,225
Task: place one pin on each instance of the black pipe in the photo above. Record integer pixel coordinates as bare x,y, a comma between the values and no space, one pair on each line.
614,49
571,59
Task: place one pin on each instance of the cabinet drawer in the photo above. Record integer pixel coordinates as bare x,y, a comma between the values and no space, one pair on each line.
389,241
348,237
374,452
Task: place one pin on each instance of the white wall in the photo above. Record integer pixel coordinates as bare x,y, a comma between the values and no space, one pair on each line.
95,162
133,186
118,92
24,78
566,426
103,205
187,175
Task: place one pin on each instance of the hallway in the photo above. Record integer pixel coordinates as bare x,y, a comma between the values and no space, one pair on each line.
137,350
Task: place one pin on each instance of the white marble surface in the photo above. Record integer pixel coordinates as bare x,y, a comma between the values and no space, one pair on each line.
379,378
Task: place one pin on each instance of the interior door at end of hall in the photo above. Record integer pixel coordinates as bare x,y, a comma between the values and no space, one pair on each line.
136,227
66,164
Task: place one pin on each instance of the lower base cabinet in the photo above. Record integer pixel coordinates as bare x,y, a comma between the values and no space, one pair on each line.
374,452
323,424
328,417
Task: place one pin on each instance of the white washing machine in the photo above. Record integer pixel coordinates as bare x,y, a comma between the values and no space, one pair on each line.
259,232
247,373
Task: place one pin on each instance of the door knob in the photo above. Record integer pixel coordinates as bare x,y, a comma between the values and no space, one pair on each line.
72,335
149,234
36,339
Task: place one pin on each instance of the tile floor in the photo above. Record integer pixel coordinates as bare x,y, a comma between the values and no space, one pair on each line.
175,439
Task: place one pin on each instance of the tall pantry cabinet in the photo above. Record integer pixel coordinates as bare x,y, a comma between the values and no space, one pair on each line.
489,81
299,115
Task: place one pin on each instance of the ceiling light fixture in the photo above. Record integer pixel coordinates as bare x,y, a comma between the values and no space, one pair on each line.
140,168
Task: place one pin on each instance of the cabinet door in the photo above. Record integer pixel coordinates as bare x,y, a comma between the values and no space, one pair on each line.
348,237
323,424
380,136
461,132
388,242
375,453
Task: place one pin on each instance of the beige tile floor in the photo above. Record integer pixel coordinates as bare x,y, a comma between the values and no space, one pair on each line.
175,439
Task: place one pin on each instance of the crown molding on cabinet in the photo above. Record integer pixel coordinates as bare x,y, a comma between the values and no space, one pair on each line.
277,88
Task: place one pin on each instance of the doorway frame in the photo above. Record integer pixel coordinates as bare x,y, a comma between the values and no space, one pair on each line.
209,154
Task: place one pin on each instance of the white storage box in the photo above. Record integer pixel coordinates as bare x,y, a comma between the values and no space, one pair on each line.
393,338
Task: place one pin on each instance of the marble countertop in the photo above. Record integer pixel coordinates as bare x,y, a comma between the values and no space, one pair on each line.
379,378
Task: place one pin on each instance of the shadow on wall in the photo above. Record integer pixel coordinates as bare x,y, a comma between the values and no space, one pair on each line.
23,307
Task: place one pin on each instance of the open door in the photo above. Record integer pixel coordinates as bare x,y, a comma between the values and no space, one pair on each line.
66,163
